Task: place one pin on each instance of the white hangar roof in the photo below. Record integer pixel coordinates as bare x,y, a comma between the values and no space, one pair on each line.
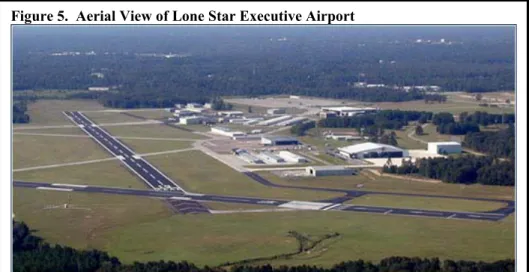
366,147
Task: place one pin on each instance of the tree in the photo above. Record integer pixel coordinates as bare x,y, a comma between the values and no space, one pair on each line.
479,97
250,110
419,130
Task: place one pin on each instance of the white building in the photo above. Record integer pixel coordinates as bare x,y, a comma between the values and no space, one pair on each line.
348,111
230,113
100,89
330,170
207,106
226,132
444,148
274,121
294,97
249,158
190,120
182,113
194,106
372,150
291,157
343,137
293,121
270,158
276,111
279,140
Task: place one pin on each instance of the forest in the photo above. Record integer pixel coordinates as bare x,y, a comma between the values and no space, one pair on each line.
31,253
468,123
301,129
150,66
463,170
494,143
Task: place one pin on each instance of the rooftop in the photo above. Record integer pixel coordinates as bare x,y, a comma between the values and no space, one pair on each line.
445,143
368,146
280,138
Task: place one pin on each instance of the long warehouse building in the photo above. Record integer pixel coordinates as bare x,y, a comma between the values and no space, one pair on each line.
274,120
292,121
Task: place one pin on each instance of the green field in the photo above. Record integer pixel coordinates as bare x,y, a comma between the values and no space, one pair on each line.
199,173
426,203
452,106
49,112
149,146
66,130
152,114
212,239
90,223
31,150
151,131
406,142
431,135
105,173
386,184
110,117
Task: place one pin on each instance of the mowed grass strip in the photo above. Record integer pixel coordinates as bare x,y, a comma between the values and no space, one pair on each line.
214,239
90,220
106,173
49,112
199,173
58,131
148,146
110,117
454,106
387,184
151,131
426,203
32,150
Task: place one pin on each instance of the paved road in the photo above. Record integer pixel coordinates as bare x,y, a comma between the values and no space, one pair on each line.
143,169
302,205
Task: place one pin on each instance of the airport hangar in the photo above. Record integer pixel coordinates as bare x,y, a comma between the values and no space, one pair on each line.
372,150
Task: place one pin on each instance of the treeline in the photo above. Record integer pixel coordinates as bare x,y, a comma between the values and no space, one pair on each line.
31,253
19,112
431,98
468,123
495,143
129,100
385,119
463,170
218,103
301,129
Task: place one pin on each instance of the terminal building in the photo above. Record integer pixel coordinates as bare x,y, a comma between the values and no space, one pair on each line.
372,150
279,140
444,148
330,170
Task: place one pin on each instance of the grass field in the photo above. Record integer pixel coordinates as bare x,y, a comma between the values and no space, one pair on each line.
406,142
149,146
49,112
452,106
109,117
431,135
66,130
106,173
212,239
83,228
386,184
426,203
152,131
31,150
153,114
200,173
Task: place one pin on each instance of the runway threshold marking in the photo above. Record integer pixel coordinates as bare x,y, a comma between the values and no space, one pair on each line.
452,216
54,189
388,212
69,185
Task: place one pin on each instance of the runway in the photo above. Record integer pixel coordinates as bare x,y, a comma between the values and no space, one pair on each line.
290,204
153,177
